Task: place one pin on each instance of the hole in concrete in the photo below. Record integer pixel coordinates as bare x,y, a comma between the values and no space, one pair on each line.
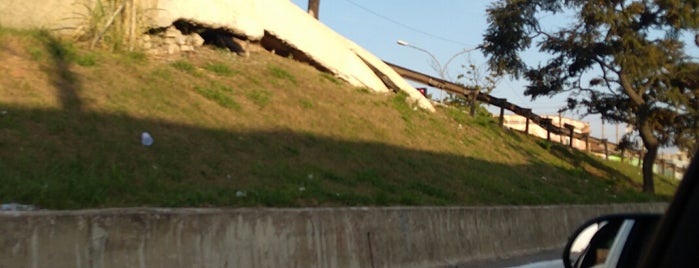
221,38
218,37
229,39
281,48
154,31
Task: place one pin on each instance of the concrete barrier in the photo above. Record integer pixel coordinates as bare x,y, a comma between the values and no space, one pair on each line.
265,237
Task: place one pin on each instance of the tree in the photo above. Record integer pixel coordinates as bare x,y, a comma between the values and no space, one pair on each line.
479,81
621,59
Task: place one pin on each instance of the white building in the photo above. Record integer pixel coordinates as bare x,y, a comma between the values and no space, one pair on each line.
518,122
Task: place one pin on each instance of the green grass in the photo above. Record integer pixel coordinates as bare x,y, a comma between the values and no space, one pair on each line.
219,69
306,104
70,138
218,93
260,97
89,59
363,90
458,115
401,105
131,58
184,66
280,73
162,73
331,78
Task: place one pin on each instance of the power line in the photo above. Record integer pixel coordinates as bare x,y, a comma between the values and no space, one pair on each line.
406,26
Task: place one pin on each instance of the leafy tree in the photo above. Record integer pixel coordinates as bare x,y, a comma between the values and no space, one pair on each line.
621,59
479,81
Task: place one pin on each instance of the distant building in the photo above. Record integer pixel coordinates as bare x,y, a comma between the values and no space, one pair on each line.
518,122
679,160
669,164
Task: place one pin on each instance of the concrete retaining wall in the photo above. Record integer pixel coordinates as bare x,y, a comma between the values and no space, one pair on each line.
332,237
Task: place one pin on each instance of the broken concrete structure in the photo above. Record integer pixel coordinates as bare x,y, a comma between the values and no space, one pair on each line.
278,25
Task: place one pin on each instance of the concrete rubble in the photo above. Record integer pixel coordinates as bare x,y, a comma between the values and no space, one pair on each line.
170,41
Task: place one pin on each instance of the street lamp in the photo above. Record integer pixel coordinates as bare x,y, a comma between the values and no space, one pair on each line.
441,69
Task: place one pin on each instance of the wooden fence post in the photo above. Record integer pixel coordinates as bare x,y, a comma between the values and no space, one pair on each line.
606,149
673,168
501,103
547,125
587,142
662,166
571,130
528,113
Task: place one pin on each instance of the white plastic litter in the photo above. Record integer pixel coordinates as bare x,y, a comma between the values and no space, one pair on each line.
146,139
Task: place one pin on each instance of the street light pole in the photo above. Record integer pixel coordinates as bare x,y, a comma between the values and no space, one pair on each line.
435,61
446,71
313,8
441,69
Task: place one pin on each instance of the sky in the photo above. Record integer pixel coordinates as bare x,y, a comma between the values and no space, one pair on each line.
443,28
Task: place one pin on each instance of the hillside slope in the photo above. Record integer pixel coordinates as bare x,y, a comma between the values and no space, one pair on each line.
258,131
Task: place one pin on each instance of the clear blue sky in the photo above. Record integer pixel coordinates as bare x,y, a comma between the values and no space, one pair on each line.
442,27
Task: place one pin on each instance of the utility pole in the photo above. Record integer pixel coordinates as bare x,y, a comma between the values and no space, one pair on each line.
313,7
603,128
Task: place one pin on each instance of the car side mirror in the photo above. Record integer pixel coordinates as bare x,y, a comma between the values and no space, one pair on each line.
610,241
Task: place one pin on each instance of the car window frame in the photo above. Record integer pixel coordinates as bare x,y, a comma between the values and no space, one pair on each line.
633,217
619,243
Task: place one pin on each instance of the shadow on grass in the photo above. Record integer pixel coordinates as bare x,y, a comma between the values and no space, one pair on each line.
61,159
576,158
60,74
72,158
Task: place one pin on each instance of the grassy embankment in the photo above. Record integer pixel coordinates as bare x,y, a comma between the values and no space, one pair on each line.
258,131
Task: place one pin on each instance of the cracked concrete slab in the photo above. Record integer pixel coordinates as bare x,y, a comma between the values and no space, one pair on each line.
293,27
